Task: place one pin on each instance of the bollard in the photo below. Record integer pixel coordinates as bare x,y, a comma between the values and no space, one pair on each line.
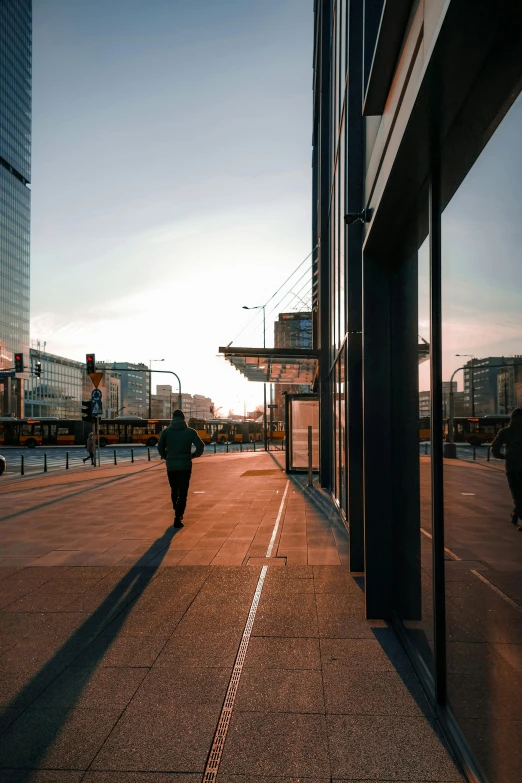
115,460
426,449
489,452
132,455
66,460
474,452
22,465
240,445
214,448
254,445
148,453
45,463
227,446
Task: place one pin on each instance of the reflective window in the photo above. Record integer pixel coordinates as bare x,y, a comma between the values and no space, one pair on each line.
482,367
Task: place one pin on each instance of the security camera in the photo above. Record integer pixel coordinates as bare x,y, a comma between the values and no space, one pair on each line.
354,217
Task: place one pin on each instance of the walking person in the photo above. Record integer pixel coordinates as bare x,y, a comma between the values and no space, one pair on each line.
89,448
175,447
511,438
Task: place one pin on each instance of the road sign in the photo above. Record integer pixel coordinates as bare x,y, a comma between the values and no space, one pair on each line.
96,378
96,408
272,406
7,374
96,395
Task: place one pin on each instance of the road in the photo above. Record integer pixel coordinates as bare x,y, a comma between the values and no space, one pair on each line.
34,459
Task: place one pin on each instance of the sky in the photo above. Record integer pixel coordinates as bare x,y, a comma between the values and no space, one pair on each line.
171,177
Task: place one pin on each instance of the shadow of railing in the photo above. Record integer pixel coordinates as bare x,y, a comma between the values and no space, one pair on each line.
108,618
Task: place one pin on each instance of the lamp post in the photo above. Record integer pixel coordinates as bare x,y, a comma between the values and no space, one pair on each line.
262,307
150,384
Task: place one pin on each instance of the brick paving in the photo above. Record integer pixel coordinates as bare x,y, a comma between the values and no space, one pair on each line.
119,636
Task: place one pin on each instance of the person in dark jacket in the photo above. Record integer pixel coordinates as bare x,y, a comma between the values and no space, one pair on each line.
175,446
511,439
89,448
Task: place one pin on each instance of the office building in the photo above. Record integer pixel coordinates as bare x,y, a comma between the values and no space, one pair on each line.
59,390
15,195
134,387
416,217
459,401
490,385
291,330
195,406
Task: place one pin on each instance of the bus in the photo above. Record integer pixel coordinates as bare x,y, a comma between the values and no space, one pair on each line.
424,428
44,431
49,431
476,430
232,431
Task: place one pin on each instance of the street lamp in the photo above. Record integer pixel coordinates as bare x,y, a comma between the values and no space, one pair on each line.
472,390
150,384
262,307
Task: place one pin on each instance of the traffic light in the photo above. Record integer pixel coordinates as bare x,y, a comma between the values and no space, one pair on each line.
38,369
86,410
90,363
19,362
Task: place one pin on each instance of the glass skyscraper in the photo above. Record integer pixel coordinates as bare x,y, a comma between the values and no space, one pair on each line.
15,195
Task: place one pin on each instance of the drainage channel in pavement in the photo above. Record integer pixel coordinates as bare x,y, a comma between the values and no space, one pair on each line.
218,743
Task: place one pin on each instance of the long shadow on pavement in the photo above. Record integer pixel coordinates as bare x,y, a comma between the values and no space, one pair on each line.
108,619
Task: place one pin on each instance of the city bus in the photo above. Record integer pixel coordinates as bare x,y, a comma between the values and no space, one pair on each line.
232,431
476,430
43,431
48,431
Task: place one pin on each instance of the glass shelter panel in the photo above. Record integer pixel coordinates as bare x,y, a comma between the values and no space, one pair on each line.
303,413
482,372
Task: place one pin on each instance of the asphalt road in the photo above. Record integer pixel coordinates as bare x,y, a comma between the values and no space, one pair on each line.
34,459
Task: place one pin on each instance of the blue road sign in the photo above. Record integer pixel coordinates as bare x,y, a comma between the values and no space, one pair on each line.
96,395
7,374
96,408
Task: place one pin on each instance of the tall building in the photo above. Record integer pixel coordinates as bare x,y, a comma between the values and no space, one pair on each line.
416,201
59,390
134,387
15,195
490,385
291,330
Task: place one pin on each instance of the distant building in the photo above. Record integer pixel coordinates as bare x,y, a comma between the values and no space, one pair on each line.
291,330
134,387
497,385
15,195
59,390
195,406
458,401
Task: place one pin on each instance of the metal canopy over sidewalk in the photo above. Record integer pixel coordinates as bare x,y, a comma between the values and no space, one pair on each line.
274,365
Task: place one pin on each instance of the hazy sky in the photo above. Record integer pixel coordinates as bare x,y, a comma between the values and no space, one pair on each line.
171,176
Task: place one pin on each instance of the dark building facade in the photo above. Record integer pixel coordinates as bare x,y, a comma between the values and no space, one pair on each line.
15,195
417,171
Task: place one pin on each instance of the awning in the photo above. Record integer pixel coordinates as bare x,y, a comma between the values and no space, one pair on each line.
274,365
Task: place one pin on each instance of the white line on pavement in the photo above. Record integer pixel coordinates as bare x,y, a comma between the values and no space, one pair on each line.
218,744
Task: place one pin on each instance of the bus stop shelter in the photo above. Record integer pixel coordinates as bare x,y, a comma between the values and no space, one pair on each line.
294,366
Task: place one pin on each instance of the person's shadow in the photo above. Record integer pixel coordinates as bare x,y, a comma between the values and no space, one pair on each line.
108,620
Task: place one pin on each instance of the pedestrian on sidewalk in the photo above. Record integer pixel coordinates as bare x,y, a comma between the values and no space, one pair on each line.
511,438
175,447
89,448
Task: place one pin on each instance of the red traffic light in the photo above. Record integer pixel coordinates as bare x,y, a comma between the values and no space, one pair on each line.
90,363
19,362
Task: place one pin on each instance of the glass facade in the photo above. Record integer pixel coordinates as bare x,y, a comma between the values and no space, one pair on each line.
417,197
59,390
481,316
15,196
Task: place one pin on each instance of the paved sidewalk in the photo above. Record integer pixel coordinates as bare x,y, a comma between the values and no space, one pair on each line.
117,656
